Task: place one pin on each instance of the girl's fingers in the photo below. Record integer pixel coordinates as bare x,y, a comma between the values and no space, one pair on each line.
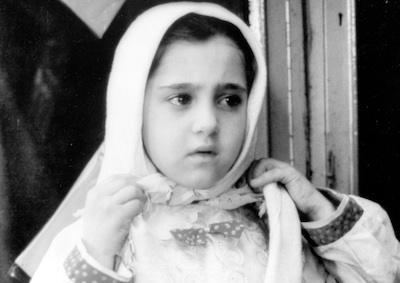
272,176
258,167
128,193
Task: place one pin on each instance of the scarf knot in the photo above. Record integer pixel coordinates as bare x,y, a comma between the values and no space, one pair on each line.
161,190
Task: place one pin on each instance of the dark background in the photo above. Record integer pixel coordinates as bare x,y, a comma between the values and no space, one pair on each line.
378,60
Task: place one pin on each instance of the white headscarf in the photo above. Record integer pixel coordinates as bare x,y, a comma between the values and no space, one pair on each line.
123,146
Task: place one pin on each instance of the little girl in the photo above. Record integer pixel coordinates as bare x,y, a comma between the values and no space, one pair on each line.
178,196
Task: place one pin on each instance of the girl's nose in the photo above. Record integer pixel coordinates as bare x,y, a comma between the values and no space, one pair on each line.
205,121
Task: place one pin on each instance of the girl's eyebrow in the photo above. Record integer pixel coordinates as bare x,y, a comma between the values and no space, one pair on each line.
232,86
186,86
178,86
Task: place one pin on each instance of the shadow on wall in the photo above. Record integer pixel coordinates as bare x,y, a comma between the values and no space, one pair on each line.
53,73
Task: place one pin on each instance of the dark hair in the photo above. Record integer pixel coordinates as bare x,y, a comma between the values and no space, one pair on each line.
194,27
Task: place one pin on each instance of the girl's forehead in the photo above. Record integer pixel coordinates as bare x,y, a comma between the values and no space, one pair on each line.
217,57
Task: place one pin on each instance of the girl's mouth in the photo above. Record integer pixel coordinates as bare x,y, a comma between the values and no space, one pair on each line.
204,154
205,149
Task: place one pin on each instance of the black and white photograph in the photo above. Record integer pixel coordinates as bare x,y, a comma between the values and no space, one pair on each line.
217,141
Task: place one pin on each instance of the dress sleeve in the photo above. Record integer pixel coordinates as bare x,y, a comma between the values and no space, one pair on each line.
67,261
80,267
357,242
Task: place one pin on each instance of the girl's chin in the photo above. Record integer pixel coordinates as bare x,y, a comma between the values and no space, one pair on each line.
202,178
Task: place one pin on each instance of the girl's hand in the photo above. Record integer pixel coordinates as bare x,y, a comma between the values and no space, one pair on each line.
109,210
306,197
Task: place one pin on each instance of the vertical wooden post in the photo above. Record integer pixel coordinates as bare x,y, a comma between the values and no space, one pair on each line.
312,89
332,90
287,95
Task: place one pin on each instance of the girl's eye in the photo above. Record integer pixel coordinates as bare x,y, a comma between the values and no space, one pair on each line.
231,101
181,99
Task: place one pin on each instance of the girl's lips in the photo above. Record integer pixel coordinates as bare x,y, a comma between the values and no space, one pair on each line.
203,154
205,149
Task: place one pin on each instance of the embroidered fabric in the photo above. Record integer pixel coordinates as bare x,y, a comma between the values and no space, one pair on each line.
200,237
337,228
225,249
220,260
80,271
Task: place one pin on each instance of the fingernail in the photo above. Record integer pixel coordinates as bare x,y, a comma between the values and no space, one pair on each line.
253,183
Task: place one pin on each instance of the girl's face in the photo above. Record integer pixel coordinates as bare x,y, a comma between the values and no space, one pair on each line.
195,105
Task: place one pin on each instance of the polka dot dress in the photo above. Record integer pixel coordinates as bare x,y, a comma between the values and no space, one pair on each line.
199,237
336,228
79,271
